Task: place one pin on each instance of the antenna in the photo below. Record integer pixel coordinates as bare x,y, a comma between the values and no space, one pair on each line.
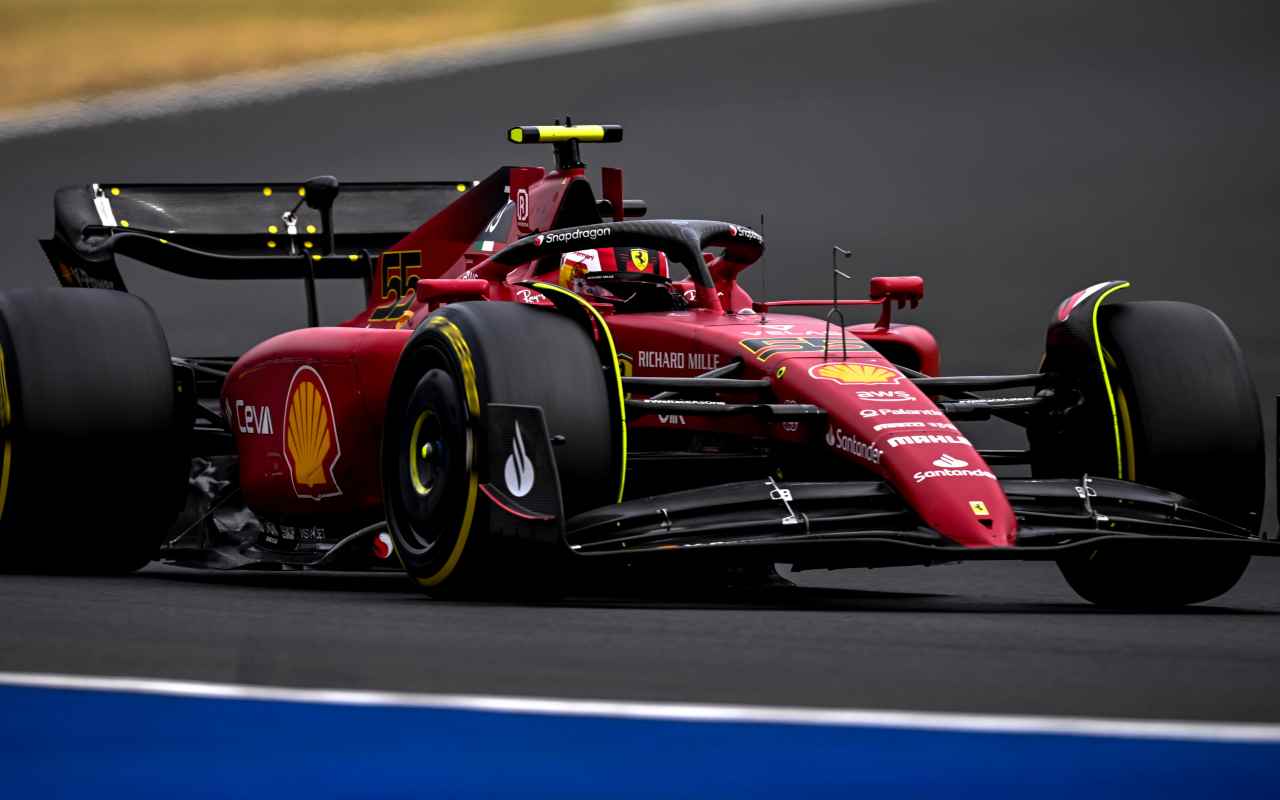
764,278
836,275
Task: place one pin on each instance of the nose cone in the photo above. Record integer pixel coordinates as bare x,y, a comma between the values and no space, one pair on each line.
963,503
880,420
950,486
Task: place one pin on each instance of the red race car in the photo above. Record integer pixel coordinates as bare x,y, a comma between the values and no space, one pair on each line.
543,385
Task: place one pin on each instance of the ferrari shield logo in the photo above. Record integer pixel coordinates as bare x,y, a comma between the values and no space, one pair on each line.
311,436
979,508
640,258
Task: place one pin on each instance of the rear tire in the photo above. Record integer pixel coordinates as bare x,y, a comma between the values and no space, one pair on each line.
93,467
1191,424
465,357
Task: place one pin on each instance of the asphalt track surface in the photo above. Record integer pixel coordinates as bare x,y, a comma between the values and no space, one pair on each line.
1009,152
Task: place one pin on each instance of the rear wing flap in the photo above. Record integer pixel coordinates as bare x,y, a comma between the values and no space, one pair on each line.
232,231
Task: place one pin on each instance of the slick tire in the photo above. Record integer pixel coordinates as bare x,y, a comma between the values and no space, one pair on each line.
466,356
92,470
1191,424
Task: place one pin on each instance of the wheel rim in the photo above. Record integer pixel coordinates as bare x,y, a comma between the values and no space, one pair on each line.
427,456
431,462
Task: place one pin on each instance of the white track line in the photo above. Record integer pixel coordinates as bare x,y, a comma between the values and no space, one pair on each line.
674,712
641,24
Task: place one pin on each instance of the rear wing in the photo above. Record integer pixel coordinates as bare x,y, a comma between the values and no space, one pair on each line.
233,231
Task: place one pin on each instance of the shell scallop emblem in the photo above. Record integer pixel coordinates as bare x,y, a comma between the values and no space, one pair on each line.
855,373
311,436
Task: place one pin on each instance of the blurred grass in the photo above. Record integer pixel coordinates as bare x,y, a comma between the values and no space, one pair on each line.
61,49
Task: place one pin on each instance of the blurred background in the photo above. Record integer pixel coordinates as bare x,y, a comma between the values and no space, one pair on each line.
82,48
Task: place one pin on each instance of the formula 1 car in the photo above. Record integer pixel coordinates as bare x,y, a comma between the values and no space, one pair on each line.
545,384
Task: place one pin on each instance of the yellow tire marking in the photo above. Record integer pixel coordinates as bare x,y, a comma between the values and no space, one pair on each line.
1106,380
472,490
463,352
617,374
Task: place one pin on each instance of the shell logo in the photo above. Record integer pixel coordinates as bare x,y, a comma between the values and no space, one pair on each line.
311,436
855,373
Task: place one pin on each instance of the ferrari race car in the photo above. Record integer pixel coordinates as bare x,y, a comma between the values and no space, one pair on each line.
545,384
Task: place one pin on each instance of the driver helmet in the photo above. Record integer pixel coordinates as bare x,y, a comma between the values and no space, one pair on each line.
620,261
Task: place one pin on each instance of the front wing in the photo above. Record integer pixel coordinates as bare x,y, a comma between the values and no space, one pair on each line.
867,524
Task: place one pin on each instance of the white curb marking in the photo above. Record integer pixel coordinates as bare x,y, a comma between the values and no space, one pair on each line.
1258,733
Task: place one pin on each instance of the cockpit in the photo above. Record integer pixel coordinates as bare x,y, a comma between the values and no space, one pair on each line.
630,279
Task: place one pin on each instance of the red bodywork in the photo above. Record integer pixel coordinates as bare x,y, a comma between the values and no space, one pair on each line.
307,406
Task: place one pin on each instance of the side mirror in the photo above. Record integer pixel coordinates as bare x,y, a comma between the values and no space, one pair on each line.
902,288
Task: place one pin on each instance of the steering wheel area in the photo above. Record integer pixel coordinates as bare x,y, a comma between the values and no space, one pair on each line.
634,291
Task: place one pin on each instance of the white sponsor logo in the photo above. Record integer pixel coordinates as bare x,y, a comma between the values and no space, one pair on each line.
886,396
529,296
253,419
745,233
852,445
658,359
949,462
780,329
926,438
889,426
921,477
522,205
689,402
790,427
583,234
868,413
946,426
671,419
519,469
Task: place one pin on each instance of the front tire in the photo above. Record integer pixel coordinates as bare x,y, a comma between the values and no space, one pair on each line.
461,359
1190,423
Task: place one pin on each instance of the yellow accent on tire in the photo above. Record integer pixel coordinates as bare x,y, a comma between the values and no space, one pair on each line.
1126,426
1106,380
473,486
617,374
463,352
